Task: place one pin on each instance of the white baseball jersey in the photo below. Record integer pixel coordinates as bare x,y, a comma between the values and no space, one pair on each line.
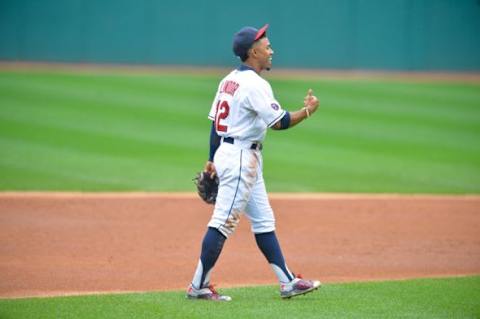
244,106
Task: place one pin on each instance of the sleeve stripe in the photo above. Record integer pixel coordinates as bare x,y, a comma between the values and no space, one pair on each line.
276,119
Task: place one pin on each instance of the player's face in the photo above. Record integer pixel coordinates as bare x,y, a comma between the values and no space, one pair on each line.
264,53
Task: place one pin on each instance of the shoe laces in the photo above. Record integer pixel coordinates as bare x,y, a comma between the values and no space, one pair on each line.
212,289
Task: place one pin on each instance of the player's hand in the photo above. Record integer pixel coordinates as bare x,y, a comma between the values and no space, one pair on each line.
311,101
210,168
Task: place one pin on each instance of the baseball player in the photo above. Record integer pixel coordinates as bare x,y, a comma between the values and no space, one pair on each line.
243,108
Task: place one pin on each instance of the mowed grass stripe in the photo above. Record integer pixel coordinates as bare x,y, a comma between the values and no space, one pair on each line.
19,175
347,109
391,142
99,133
412,109
422,298
358,142
332,176
81,169
107,101
361,101
182,96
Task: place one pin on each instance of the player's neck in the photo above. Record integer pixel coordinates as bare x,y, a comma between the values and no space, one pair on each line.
255,66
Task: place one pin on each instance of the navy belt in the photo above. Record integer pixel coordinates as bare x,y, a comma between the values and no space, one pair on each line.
254,146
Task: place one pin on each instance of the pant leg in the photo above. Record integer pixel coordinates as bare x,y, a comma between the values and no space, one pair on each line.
237,172
258,209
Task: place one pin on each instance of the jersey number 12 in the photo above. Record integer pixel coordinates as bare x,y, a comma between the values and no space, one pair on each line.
222,113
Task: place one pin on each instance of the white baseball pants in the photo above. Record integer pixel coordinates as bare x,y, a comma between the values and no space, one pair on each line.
241,189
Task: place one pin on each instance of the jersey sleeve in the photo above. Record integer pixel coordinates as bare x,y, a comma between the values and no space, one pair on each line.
213,108
263,102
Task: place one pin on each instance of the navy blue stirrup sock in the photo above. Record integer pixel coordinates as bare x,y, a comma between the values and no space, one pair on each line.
211,248
268,244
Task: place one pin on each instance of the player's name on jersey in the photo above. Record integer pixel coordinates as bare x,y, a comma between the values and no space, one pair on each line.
229,87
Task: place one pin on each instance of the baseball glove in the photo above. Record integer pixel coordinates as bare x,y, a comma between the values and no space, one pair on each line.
207,187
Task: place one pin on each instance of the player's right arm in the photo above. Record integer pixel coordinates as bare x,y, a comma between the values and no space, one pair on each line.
310,103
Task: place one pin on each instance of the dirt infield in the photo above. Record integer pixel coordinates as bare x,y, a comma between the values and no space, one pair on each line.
71,243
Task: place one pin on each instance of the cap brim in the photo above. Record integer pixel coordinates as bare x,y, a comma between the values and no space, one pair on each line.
261,32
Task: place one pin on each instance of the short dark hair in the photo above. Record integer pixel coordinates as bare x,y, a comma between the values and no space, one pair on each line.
244,57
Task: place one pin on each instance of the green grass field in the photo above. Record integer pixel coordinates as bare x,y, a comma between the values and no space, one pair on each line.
127,132
422,298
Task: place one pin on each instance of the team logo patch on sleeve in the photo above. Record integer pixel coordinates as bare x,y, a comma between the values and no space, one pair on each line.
275,106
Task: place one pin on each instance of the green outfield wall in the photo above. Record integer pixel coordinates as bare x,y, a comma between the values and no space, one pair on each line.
339,34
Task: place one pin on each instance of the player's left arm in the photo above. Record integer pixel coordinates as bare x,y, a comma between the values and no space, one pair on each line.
214,137
214,144
290,119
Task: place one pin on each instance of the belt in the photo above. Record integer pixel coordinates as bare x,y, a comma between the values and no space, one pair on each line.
254,146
